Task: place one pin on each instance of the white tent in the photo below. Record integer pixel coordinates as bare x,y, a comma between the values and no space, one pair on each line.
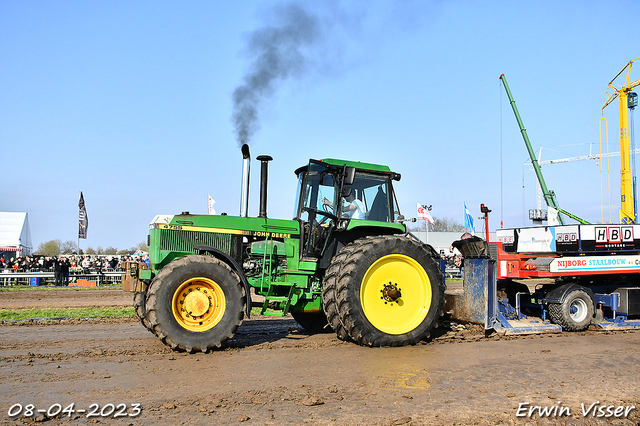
15,233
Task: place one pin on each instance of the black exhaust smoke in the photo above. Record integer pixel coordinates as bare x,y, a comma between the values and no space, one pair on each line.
281,50
301,38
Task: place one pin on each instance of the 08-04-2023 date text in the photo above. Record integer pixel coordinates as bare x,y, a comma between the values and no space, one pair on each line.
94,410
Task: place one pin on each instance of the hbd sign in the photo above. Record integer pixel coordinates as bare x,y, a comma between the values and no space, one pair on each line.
566,237
614,234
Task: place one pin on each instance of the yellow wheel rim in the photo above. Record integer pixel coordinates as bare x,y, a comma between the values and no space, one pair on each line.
395,294
198,304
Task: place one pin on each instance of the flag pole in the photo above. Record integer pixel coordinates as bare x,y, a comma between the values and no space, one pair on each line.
426,222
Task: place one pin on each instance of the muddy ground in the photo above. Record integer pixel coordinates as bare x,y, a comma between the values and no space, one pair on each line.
273,373
56,297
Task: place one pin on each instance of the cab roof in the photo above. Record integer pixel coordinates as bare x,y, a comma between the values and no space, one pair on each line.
368,167
358,165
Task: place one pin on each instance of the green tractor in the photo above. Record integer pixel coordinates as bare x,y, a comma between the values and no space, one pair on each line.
345,262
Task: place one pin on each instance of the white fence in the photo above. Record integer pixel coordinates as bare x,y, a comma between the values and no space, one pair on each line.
103,276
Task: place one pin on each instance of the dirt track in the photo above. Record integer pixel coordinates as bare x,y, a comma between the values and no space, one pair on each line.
63,298
273,373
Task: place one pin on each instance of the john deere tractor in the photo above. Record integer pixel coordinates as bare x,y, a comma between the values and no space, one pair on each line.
344,262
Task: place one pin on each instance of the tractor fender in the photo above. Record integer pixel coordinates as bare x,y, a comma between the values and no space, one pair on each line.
343,238
558,294
234,266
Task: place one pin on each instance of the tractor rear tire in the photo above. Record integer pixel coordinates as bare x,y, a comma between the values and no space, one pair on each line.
196,303
329,287
390,291
314,322
574,313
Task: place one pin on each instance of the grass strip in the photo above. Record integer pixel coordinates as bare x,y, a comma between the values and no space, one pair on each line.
101,312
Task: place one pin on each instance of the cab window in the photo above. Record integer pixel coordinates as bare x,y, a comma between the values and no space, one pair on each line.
369,198
318,192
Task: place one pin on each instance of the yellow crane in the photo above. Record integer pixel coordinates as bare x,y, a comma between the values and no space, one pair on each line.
627,101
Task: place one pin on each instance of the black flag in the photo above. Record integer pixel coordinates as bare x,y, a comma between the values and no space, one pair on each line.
83,219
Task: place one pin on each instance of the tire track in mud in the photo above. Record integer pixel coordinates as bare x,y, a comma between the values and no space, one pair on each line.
272,372
257,334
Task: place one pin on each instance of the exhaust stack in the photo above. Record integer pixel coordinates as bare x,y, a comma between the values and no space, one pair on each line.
264,171
246,168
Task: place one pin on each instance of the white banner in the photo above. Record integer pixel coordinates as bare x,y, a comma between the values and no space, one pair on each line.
552,217
211,203
595,263
423,214
536,240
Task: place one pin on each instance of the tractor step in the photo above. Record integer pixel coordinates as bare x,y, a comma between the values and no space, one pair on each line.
277,298
272,314
285,300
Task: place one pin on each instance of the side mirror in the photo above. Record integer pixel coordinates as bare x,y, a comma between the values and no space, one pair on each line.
348,175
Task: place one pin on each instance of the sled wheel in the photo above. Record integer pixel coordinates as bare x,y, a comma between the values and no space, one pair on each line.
574,313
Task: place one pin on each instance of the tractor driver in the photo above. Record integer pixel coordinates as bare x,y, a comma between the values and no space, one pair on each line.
352,207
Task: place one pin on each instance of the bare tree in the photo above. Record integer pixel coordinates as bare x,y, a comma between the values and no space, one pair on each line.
49,248
68,247
446,224
442,224
57,247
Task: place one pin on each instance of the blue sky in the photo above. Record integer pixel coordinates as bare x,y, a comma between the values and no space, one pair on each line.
131,103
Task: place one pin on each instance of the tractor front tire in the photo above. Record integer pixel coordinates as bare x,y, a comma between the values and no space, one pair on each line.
196,303
390,291
574,313
139,304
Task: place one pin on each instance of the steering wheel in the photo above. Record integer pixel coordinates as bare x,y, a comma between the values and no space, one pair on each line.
326,204
326,215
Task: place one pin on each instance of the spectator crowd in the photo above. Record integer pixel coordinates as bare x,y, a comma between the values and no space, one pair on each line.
64,265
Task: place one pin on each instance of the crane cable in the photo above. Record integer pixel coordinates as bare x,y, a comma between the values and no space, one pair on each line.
606,133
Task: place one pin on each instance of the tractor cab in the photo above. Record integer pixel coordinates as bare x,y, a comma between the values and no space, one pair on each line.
338,196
